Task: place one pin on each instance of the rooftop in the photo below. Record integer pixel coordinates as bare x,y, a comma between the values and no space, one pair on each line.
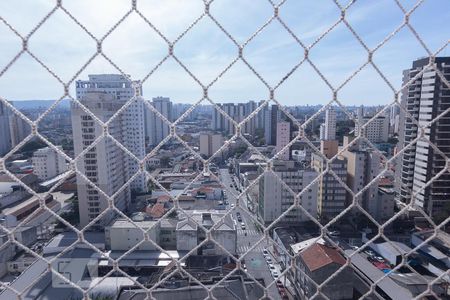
296,248
123,223
318,256
295,234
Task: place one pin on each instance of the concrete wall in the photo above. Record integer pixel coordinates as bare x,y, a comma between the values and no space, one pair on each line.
227,239
186,240
124,238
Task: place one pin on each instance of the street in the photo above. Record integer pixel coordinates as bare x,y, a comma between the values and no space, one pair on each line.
255,261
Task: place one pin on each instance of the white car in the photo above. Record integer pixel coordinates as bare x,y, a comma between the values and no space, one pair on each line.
232,205
268,259
272,267
265,252
275,274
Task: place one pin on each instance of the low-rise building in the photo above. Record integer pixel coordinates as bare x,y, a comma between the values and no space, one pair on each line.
232,288
319,262
435,253
123,235
25,235
14,214
189,234
392,251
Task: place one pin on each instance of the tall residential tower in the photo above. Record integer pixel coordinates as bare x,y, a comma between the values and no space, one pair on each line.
106,165
426,98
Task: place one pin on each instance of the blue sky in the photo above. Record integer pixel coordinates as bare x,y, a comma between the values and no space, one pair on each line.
206,51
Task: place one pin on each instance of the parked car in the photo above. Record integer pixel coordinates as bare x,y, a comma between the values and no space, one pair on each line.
271,267
380,259
275,274
265,252
268,259
371,259
369,252
279,284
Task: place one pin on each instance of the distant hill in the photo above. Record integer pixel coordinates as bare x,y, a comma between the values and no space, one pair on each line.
31,104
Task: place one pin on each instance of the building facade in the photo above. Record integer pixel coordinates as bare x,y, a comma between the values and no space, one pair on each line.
283,139
19,129
105,165
5,137
426,98
330,124
275,199
47,163
363,165
332,196
156,129
210,143
132,118
376,131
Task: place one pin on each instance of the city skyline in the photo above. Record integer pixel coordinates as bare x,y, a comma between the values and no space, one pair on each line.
129,187
337,55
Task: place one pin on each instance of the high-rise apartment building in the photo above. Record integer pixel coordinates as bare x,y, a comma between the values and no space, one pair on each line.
5,138
377,130
251,124
19,129
210,143
217,119
264,123
275,199
106,165
275,117
237,112
363,165
156,129
331,196
178,109
425,98
47,163
322,132
283,138
394,113
132,117
330,124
